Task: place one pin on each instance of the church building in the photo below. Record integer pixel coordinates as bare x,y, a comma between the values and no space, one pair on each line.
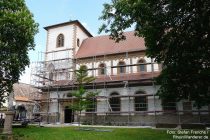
124,79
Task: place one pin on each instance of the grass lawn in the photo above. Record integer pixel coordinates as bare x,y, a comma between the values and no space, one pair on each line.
72,133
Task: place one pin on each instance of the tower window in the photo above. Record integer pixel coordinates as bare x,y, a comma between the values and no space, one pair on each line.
60,40
78,42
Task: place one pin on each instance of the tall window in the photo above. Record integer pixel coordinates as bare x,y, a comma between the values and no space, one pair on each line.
102,69
114,102
60,40
142,66
140,102
121,67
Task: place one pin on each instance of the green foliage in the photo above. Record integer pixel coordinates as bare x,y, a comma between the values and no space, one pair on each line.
82,101
17,30
82,76
176,33
82,96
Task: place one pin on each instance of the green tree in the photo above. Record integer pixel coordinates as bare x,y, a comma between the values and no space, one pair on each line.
83,97
176,33
17,30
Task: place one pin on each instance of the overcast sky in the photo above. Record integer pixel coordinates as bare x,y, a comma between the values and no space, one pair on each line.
49,12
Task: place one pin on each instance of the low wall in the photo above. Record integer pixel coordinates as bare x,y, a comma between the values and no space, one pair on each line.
135,119
49,119
144,120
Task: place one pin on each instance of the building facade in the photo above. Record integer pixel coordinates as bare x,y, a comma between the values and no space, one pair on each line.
124,80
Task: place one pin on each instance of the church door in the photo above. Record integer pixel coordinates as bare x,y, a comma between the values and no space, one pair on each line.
68,115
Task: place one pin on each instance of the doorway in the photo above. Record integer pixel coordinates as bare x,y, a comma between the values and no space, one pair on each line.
68,115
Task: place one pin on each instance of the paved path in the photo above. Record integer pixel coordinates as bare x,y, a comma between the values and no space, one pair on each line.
104,126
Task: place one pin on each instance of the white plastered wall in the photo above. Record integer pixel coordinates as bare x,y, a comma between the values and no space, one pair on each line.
81,36
53,33
95,64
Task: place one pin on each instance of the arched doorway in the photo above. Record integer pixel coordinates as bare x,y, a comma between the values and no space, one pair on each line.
68,115
20,112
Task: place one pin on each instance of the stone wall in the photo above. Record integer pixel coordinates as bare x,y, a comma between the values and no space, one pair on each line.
144,120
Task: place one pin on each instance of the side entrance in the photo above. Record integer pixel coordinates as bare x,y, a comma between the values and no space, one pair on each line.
68,115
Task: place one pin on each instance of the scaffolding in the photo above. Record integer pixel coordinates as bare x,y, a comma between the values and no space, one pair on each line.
57,74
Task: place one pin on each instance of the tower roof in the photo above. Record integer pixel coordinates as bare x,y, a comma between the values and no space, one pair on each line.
75,22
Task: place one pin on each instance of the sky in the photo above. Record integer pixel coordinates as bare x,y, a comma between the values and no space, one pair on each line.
49,12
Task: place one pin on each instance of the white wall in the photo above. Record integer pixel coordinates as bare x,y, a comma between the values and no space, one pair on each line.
68,33
71,33
107,62
81,36
103,105
54,95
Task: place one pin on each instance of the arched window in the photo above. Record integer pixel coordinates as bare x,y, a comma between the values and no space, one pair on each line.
142,66
140,102
114,102
60,40
92,103
102,69
121,67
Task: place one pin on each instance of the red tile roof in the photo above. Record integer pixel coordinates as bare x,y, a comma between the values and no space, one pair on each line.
103,45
